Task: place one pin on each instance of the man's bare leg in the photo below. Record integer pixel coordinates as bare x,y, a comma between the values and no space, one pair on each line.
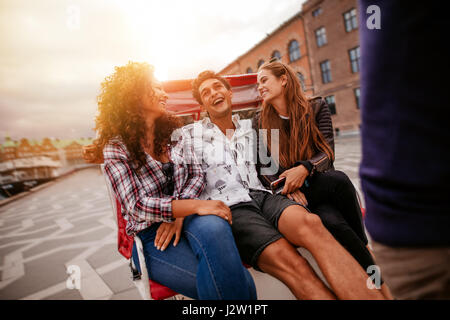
385,291
345,276
281,260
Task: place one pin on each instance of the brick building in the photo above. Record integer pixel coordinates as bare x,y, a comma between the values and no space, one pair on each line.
69,151
25,149
321,43
48,149
288,43
74,152
331,28
8,149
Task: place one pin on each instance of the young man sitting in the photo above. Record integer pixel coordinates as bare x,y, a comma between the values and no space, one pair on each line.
267,228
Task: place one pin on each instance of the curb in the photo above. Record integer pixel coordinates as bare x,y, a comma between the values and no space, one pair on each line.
42,186
348,134
25,193
13,198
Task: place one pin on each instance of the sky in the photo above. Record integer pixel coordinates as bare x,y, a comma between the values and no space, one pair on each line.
55,53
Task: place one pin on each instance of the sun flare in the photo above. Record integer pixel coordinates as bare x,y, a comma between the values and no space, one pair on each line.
161,73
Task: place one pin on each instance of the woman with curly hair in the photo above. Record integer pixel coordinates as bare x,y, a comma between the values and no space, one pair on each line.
155,176
306,155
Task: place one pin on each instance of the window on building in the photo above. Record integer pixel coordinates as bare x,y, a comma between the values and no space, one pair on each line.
354,59
276,54
294,51
357,94
331,104
317,12
350,20
326,71
321,37
302,80
249,70
260,63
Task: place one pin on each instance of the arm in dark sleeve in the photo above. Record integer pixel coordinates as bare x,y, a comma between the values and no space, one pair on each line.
320,161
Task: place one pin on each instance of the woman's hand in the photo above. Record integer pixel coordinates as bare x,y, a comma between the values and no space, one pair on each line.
295,177
215,207
165,233
298,197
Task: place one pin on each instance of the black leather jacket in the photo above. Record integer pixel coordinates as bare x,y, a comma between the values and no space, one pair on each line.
320,161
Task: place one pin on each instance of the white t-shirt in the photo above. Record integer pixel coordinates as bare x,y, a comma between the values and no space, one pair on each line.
229,164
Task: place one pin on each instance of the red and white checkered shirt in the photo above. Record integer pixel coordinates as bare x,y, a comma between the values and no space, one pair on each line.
140,192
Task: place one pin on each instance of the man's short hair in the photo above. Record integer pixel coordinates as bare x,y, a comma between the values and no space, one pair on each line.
205,75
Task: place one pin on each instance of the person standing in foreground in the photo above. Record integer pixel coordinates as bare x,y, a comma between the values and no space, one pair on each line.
267,228
405,134
157,182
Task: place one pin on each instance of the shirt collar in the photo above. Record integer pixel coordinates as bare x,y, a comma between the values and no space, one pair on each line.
235,118
205,120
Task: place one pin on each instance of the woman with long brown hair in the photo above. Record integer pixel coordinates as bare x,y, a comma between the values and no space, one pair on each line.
306,155
157,180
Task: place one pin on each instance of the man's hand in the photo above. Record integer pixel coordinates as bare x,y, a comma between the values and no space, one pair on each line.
165,233
298,197
295,177
215,207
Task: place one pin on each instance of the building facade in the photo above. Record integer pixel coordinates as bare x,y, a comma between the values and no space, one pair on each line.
8,150
74,153
321,43
331,28
68,151
27,163
288,43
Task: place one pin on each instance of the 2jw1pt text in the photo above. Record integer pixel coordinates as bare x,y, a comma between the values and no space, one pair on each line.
229,310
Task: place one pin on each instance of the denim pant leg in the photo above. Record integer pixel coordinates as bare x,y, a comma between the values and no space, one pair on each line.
220,274
175,267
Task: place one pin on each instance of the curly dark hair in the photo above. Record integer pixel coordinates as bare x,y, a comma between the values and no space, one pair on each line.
205,75
163,128
120,108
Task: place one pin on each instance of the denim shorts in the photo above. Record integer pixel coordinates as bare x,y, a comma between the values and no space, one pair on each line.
255,224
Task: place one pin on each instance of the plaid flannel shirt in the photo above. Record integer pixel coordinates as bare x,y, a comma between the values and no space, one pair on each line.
140,192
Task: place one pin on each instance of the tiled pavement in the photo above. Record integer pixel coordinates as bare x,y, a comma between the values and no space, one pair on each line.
348,157
70,222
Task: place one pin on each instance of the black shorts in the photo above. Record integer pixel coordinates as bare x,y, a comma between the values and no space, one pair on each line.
255,223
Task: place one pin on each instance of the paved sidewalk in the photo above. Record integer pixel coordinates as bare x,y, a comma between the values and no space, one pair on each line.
70,223
67,223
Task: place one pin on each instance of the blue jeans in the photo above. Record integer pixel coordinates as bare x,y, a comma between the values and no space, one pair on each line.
205,264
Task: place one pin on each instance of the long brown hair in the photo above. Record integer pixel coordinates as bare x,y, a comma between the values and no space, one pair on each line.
303,139
120,112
